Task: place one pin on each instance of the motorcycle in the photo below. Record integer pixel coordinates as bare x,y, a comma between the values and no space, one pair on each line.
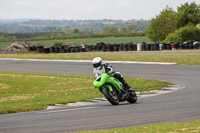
113,89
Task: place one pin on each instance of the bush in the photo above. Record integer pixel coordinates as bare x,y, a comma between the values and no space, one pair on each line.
188,33
57,43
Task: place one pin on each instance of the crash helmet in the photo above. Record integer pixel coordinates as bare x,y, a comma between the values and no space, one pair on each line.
97,62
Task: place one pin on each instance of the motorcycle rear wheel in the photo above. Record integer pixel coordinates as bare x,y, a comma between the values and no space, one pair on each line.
113,99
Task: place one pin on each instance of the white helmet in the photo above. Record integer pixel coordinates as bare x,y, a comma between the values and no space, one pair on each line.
97,61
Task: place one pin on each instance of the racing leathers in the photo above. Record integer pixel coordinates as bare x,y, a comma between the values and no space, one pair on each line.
107,68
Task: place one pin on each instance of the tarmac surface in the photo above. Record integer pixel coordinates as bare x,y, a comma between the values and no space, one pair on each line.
181,105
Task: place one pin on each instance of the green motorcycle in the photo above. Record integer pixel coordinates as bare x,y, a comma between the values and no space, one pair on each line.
113,89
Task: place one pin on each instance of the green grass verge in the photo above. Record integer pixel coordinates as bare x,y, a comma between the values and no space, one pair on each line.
20,92
183,59
178,127
90,41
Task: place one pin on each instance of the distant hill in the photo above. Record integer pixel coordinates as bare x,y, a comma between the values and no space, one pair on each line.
39,25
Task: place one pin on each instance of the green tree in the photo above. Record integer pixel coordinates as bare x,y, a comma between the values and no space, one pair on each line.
198,25
54,34
123,30
76,31
188,14
110,29
2,38
131,28
162,25
188,33
87,31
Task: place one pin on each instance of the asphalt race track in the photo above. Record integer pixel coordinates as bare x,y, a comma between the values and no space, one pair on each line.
181,105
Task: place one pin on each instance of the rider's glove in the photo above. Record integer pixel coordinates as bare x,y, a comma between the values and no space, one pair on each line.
111,70
108,73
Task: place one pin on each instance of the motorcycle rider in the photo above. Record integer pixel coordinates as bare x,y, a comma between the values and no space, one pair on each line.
102,67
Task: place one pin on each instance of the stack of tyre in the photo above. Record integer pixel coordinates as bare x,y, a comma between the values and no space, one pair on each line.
190,45
61,49
143,46
117,47
180,45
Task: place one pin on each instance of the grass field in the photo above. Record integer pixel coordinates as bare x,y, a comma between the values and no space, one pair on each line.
21,92
182,59
177,127
90,41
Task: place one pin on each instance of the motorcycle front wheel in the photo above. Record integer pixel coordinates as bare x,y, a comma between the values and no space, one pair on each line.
110,96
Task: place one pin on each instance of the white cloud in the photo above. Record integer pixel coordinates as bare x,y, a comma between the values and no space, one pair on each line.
85,9
124,4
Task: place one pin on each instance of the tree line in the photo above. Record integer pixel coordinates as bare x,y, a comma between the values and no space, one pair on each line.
54,29
169,26
102,35
107,31
176,26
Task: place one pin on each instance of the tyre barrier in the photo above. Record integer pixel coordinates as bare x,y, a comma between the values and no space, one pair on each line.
117,47
32,48
196,45
40,49
46,50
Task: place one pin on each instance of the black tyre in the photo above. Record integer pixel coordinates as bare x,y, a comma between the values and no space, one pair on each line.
113,99
132,98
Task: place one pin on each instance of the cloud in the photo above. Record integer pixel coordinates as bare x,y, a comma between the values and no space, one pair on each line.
85,9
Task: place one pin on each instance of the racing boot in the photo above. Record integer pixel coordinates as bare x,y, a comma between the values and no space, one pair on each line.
130,90
127,87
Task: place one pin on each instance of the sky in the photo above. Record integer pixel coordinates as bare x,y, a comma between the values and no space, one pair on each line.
86,9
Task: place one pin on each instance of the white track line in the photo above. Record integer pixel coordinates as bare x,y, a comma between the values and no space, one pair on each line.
66,110
89,61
